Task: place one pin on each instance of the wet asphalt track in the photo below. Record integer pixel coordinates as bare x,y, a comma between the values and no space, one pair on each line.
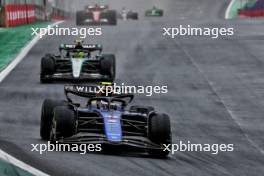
216,93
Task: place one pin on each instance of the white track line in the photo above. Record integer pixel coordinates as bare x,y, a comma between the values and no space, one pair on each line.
3,155
21,55
20,164
228,9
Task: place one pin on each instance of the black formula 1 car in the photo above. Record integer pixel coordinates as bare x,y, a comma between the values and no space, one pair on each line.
127,15
96,15
77,62
105,120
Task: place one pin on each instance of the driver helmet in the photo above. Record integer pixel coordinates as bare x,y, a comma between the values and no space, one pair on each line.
107,91
78,44
97,6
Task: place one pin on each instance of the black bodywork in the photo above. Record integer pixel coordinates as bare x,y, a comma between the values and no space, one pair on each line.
94,67
128,15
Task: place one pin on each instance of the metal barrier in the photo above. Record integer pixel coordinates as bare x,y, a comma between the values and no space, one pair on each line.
1,16
19,14
40,13
60,14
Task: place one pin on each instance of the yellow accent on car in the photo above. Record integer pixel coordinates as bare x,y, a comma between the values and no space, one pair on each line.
105,83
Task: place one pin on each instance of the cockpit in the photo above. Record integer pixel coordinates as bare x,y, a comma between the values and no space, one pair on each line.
107,103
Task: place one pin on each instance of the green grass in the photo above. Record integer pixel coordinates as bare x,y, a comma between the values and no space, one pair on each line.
250,3
7,169
12,40
238,4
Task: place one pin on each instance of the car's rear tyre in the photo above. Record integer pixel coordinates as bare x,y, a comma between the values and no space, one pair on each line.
160,133
141,109
47,68
136,16
108,66
47,115
161,13
133,16
111,15
78,18
80,15
64,123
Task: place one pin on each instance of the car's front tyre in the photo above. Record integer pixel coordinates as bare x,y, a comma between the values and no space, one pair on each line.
111,16
63,123
159,133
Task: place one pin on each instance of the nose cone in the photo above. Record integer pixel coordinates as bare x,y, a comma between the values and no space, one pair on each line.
112,125
76,67
96,15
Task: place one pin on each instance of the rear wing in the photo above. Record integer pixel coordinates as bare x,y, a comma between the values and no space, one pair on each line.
101,7
92,91
84,48
82,91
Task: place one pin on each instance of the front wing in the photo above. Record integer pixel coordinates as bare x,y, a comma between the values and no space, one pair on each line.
82,77
91,21
131,141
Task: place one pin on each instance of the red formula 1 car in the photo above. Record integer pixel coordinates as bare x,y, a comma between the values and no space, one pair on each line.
96,15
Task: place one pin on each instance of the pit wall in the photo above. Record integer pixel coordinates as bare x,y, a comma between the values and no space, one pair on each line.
12,15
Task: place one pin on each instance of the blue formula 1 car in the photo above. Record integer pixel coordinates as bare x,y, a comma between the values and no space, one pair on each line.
105,120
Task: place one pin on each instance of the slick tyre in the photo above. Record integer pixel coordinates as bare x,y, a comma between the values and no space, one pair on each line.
47,68
47,115
161,13
64,122
133,16
159,133
112,17
108,66
80,18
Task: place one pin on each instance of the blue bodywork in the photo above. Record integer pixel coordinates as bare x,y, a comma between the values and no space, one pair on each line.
112,123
